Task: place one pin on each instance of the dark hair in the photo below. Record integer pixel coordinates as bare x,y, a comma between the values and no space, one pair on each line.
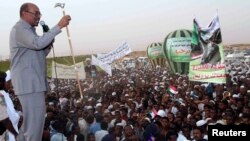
104,125
2,79
90,119
80,137
24,7
99,118
171,133
58,126
89,135
186,126
199,128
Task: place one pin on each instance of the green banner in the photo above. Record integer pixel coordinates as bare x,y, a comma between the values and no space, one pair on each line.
180,49
208,54
207,72
155,52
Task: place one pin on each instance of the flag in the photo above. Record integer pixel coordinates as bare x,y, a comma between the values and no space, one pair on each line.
210,32
106,67
172,89
153,113
207,53
196,50
195,33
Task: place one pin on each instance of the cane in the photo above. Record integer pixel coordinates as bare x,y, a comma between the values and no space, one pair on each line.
71,48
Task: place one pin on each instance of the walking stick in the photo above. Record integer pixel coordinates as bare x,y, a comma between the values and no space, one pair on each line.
71,48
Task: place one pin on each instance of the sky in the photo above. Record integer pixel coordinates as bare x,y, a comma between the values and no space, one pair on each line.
99,26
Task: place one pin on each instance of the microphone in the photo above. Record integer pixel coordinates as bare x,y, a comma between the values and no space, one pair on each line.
45,27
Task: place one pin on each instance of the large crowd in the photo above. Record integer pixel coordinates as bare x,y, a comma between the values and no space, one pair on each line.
135,105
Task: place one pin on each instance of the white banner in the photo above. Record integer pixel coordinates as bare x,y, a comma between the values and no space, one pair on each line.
105,67
120,52
101,55
68,72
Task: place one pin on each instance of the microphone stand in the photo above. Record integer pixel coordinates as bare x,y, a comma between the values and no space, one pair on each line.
54,59
46,29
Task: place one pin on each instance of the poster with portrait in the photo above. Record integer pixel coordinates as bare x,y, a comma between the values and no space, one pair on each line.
207,53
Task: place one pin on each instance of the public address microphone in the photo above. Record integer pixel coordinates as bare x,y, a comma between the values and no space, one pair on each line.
45,27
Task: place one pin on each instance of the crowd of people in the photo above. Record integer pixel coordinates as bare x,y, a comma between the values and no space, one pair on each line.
135,105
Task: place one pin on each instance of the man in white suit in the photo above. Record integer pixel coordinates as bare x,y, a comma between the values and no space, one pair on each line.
28,53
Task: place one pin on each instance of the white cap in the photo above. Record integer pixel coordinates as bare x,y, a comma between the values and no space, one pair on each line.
182,104
180,99
242,86
110,107
98,105
220,122
236,95
201,123
212,101
99,100
161,113
113,93
163,78
89,107
8,76
146,118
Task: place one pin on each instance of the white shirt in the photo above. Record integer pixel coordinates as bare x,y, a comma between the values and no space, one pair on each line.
100,134
83,126
181,137
112,123
12,113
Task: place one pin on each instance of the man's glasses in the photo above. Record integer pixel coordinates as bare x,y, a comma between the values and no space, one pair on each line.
36,14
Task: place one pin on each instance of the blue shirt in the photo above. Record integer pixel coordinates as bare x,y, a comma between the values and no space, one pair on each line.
94,127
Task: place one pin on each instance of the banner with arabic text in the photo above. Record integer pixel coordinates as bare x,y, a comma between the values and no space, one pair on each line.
68,72
207,53
103,66
179,49
118,53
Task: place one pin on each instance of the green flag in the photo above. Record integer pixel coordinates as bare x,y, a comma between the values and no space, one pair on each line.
196,49
195,33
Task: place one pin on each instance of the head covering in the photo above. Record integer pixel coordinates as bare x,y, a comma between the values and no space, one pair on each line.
98,105
201,123
8,77
89,107
242,86
220,122
236,96
2,76
161,113
110,107
147,119
113,93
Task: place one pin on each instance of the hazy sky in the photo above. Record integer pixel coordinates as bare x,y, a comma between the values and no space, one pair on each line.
99,26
